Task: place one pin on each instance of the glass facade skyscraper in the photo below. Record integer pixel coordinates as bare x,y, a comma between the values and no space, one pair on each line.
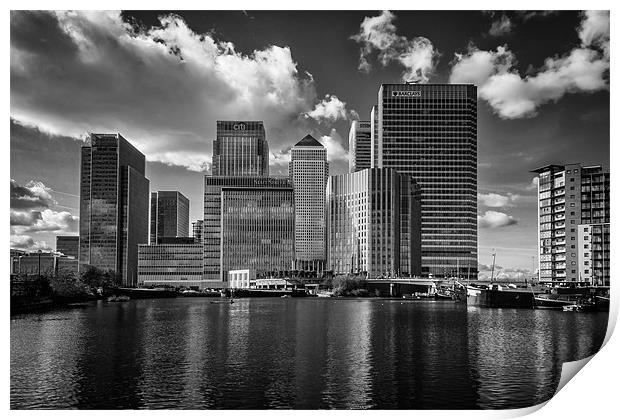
429,131
114,205
573,224
373,224
68,245
360,153
213,226
240,149
258,230
169,215
308,171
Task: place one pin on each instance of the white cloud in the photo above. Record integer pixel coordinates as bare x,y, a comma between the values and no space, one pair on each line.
501,26
43,221
335,150
378,33
478,66
31,196
26,242
78,72
331,109
584,69
495,219
497,200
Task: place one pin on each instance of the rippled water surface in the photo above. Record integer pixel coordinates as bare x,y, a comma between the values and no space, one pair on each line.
294,353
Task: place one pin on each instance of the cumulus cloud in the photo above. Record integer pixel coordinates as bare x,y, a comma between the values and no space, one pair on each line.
331,109
583,69
30,211
334,145
46,221
500,27
78,72
378,34
497,200
503,273
31,196
26,242
495,219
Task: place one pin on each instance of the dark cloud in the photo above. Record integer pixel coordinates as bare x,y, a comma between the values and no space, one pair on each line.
25,218
35,195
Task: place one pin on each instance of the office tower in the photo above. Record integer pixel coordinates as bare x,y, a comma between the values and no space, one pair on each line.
240,149
360,154
174,262
429,132
213,226
197,227
258,230
308,171
374,136
114,205
373,224
569,196
68,245
169,215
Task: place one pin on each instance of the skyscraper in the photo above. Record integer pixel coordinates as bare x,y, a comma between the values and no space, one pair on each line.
169,215
68,245
114,205
308,171
240,149
573,224
258,230
220,219
360,153
374,223
429,132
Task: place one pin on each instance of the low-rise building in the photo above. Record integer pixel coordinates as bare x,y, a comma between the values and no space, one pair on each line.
242,279
178,264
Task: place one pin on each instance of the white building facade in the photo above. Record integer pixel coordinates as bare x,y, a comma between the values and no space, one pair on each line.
309,171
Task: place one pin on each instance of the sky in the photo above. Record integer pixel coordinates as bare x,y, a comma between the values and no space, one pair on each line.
163,78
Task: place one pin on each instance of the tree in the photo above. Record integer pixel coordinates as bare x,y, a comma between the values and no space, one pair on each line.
67,284
95,278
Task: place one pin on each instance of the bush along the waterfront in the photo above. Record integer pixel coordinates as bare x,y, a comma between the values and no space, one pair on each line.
33,292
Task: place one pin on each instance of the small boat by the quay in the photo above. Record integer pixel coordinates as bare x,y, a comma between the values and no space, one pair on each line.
541,302
443,296
325,294
570,308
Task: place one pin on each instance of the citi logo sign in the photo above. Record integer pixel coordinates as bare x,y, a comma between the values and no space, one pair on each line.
239,126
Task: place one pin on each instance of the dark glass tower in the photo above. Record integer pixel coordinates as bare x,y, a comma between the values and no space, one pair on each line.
169,215
240,149
68,245
114,205
429,132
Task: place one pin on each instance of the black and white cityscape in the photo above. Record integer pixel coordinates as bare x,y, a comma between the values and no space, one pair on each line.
231,210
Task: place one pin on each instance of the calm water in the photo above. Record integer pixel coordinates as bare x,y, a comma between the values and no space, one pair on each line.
294,353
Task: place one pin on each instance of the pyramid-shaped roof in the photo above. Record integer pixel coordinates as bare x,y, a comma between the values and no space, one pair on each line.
309,141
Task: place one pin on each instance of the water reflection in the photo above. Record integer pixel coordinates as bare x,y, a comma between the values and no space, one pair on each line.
294,353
